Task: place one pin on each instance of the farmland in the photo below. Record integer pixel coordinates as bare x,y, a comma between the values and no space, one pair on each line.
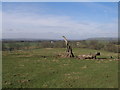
71,44
42,68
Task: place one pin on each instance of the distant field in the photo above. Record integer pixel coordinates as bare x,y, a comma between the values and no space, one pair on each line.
41,68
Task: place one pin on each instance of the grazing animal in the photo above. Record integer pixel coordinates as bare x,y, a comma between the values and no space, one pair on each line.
90,56
111,57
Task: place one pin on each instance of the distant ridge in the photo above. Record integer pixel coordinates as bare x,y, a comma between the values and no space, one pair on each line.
33,39
104,39
25,39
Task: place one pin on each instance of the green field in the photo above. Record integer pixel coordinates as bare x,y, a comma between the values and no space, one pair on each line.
41,68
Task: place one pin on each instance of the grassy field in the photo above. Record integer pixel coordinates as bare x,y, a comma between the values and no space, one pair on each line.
40,68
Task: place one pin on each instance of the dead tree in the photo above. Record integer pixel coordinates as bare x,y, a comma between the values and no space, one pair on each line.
69,52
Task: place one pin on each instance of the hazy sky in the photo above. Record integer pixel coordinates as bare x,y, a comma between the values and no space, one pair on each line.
52,20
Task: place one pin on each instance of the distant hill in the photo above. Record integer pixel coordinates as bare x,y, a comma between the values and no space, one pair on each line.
32,39
104,39
25,39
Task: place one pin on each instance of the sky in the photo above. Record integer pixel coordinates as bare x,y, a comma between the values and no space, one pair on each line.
0,20
52,20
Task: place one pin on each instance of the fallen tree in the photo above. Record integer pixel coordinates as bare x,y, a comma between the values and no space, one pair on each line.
69,52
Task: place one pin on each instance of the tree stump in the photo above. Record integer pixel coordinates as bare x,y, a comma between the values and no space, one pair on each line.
69,52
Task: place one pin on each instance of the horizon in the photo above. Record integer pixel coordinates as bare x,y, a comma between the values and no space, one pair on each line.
75,20
58,39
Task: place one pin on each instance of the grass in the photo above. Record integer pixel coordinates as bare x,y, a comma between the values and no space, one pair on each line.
30,69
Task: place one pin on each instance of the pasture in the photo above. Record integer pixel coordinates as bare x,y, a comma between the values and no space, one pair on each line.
41,68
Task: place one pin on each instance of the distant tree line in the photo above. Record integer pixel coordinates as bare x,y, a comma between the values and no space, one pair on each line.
112,46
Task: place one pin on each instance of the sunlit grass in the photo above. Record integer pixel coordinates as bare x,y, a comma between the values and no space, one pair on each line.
40,68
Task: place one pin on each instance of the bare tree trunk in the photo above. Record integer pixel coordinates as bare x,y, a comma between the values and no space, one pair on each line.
69,52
